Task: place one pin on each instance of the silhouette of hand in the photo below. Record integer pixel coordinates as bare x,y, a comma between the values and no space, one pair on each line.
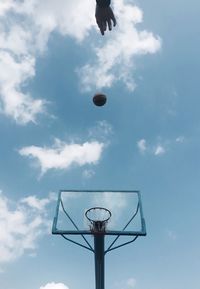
104,18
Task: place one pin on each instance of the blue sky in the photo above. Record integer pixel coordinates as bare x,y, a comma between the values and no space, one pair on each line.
52,61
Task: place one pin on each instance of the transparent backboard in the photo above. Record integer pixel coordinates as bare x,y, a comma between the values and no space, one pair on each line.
125,207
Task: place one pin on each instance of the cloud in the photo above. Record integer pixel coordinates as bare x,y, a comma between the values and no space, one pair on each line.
112,201
142,145
156,150
88,174
25,28
115,57
159,150
54,286
180,139
160,146
38,204
17,67
171,235
115,202
130,283
63,155
21,223
5,5
15,103
102,130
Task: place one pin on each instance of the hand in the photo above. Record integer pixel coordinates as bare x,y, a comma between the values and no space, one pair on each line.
104,18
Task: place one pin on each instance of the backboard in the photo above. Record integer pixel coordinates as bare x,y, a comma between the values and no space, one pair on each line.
125,207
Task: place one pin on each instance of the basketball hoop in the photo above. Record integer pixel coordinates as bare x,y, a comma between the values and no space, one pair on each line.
98,218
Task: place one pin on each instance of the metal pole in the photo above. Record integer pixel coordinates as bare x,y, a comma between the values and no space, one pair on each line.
99,260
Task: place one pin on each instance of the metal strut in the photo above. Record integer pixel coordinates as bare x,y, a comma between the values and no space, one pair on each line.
110,248
90,247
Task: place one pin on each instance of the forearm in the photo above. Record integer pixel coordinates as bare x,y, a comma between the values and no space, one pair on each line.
103,3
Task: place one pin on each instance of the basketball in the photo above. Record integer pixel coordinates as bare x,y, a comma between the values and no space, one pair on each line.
99,99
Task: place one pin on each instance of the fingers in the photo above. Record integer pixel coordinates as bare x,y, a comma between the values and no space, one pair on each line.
113,19
109,25
102,26
101,29
112,16
99,24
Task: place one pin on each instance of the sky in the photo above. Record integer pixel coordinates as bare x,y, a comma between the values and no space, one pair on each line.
52,61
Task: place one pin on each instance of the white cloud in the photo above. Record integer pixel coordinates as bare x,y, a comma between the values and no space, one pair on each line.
114,202
30,25
142,145
15,103
17,67
159,150
26,36
130,283
171,235
115,58
180,139
87,174
160,146
5,5
37,204
54,286
21,224
101,130
62,155
156,150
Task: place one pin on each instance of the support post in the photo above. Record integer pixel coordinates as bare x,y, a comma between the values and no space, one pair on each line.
99,260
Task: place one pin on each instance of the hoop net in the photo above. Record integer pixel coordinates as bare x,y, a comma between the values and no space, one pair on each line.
98,218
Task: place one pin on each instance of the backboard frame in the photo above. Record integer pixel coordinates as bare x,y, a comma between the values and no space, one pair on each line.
122,232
